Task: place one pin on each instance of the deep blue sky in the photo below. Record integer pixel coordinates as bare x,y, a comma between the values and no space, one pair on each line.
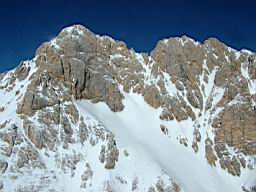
25,24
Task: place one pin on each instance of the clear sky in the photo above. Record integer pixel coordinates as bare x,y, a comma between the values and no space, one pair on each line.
25,24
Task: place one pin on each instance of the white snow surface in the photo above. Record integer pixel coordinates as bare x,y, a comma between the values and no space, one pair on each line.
137,128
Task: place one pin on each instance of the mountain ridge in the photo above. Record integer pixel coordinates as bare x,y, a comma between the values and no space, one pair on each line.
82,89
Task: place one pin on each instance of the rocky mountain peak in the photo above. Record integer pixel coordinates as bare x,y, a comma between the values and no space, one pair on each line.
87,106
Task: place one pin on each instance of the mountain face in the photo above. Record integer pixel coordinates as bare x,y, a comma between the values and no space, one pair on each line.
89,114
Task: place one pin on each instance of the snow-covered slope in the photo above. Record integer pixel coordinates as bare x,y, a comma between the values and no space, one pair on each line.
88,114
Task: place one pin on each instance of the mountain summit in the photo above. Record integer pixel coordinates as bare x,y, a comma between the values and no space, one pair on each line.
89,114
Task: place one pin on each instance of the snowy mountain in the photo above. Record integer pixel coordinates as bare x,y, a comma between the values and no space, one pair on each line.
89,114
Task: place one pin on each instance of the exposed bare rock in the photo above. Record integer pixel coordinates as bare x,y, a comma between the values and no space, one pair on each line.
2,109
9,137
252,66
176,59
195,98
152,96
22,71
237,127
196,139
231,165
83,131
220,78
126,153
22,159
35,136
135,183
179,86
102,154
50,115
209,152
151,189
166,187
68,131
33,102
160,185
166,115
3,166
175,108
87,174
3,125
71,110
111,153
250,189
85,75
183,141
164,129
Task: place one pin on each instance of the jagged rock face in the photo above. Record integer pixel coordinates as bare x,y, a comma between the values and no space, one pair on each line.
204,95
80,62
152,96
236,127
174,58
